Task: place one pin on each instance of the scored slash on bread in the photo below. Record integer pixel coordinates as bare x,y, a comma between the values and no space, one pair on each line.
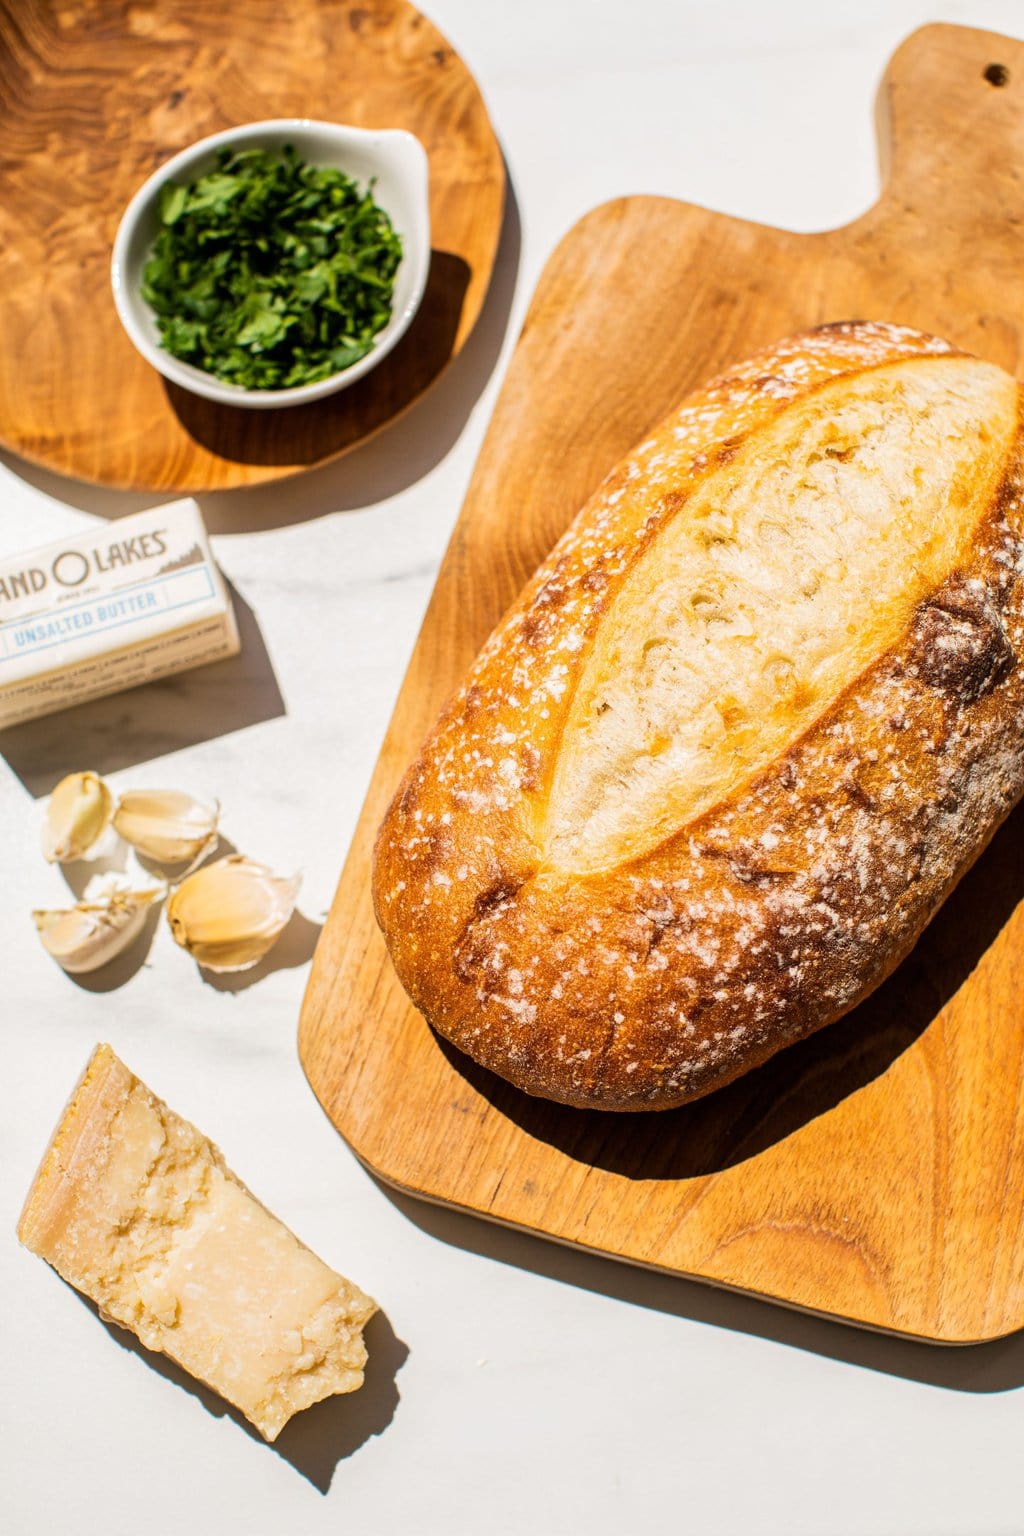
741,734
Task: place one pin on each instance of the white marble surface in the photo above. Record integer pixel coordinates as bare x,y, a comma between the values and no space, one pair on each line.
516,1387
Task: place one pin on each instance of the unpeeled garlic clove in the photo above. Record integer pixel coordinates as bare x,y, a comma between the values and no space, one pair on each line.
167,825
97,929
77,815
228,914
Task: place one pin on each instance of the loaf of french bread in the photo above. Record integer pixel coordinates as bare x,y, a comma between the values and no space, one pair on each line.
746,727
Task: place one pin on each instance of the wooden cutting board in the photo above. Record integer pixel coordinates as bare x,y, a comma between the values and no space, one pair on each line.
94,95
876,1171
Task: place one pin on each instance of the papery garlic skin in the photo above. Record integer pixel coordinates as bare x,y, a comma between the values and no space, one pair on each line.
115,885
167,825
228,914
78,813
96,930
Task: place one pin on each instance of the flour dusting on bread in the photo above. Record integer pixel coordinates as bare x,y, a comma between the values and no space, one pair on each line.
678,815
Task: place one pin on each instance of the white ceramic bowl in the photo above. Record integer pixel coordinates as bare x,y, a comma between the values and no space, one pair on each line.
394,159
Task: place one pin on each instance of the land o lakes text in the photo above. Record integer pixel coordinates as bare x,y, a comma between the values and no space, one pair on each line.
70,568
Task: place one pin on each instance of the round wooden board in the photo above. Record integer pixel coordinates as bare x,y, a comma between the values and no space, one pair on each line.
94,94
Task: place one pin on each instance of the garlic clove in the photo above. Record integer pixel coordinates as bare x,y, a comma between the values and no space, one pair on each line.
228,914
77,815
167,825
96,930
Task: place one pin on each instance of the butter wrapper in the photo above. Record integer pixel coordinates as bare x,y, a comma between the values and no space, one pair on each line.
115,605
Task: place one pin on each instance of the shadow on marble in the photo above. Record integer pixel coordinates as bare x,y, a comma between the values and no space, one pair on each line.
153,720
78,873
294,948
390,462
320,1437
981,1368
333,1430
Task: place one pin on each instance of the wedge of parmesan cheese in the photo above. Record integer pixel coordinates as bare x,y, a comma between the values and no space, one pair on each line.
136,1208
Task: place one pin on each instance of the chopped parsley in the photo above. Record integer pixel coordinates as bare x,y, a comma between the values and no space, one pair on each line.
270,273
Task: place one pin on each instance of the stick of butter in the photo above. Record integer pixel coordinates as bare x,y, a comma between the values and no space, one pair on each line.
135,1207
108,608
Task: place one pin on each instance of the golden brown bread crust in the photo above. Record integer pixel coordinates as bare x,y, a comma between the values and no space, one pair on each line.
768,916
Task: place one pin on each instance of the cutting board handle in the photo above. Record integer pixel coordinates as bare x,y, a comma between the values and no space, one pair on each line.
950,115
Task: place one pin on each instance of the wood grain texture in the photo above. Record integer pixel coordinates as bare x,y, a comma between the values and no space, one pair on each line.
93,96
876,1171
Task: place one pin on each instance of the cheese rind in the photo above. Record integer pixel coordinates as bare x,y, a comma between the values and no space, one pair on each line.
137,1209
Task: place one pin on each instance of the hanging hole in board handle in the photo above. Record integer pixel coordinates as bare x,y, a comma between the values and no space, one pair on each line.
996,74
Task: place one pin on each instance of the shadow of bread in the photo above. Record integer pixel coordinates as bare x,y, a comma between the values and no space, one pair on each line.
804,1081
